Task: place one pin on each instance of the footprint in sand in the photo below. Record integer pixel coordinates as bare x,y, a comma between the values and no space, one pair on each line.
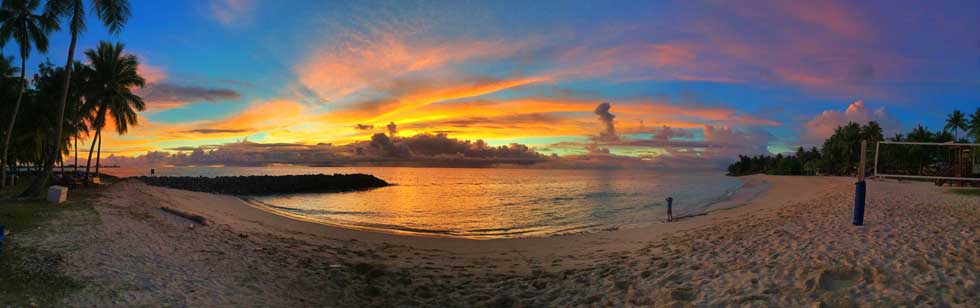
833,280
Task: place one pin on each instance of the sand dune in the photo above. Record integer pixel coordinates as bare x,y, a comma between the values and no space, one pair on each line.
786,243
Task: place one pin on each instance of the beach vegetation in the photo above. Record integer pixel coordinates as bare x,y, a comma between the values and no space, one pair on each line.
973,126
109,92
955,122
21,22
113,14
840,154
100,91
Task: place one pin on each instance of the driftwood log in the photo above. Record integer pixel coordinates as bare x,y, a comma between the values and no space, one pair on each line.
192,217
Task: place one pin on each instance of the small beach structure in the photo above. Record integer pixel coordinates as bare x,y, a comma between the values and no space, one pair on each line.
57,194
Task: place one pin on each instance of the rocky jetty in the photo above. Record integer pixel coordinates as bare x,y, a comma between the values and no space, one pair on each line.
268,184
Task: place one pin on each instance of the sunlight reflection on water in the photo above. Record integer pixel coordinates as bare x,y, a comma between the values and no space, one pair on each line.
490,203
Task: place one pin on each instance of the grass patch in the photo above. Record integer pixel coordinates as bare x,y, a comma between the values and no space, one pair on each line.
966,191
15,190
31,275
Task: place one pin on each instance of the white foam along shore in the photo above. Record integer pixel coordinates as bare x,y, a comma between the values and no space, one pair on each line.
784,241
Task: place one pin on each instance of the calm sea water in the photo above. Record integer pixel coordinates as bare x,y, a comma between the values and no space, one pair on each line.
489,203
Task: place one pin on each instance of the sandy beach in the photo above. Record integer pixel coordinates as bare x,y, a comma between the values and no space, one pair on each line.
778,242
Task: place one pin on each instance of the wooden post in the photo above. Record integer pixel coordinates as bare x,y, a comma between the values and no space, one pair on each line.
877,149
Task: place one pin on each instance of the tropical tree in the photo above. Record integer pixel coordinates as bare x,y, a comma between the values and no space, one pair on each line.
973,127
28,29
955,121
109,92
75,118
47,84
872,132
114,14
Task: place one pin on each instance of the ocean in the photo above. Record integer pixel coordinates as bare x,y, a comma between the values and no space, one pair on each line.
488,202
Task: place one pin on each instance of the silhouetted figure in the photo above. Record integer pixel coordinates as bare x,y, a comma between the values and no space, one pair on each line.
153,171
670,209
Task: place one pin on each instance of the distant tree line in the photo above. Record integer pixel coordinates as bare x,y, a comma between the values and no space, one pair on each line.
840,154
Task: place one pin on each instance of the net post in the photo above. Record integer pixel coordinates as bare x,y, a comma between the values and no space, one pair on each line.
860,188
877,149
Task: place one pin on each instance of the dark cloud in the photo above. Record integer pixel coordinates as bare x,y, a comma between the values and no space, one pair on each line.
609,129
392,129
214,131
418,150
382,145
162,91
364,127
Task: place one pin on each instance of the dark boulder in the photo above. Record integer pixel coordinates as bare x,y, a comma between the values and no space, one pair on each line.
255,185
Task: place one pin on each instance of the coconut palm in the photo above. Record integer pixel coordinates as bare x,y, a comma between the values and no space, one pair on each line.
872,132
20,23
973,127
113,14
47,85
109,91
75,118
955,121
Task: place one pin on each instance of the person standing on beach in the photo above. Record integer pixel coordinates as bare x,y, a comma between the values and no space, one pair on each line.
670,207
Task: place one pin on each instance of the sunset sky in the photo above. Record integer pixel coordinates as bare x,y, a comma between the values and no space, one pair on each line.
757,74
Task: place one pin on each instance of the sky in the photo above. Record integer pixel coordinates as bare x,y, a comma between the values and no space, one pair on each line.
643,79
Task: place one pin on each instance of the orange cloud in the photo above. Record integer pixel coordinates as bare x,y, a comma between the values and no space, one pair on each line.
374,59
269,117
151,73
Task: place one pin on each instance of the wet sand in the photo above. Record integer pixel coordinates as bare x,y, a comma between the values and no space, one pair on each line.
781,241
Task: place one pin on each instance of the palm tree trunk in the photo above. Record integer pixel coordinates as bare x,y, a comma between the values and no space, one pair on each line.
38,184
98,133
13,118
76,154
98,155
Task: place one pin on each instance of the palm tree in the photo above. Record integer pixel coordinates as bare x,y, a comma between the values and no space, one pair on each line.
46,91
955,121
112,13
110,91
9,86
973,127
21,24
872,132
76,119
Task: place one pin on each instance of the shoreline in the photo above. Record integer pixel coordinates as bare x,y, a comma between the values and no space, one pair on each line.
791,244
237,214
744,194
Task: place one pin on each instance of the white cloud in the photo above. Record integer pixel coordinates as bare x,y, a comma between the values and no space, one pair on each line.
823,125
